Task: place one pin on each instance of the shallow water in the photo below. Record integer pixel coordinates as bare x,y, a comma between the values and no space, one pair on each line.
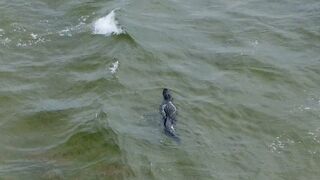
77,104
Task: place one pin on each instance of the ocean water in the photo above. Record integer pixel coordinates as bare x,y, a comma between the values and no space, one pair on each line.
81,84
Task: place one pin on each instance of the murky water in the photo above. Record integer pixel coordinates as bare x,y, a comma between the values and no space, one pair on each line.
80,88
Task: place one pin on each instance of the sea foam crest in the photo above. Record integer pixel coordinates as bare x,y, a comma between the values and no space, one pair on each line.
107,25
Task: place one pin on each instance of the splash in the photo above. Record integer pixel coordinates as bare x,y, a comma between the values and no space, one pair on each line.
107,25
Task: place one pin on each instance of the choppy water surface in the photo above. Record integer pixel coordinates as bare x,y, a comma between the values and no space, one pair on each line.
81,82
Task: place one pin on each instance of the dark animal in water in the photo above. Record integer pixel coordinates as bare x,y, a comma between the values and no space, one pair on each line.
168,112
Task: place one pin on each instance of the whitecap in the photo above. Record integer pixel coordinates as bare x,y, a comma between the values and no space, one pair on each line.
113,69
107,25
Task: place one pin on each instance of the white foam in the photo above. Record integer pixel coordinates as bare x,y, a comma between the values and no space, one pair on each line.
113,69
107,25
280,144
1,32
34,36
307,108
254,43
5,41
83,18
315,136
65,32
18,28
69,31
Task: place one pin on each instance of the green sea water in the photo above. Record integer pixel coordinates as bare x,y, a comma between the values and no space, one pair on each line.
244,75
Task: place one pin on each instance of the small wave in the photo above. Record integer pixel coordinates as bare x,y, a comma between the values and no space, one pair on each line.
107,25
